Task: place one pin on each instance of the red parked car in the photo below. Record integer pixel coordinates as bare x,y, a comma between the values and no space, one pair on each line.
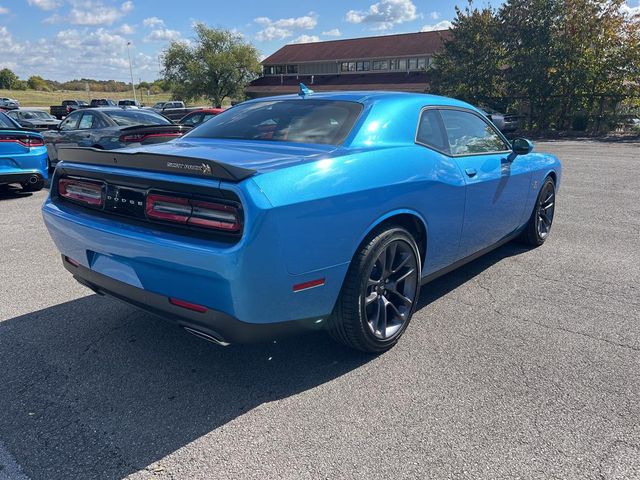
197,117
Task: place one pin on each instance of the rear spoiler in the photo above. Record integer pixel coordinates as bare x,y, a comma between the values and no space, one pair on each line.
156,162
20,130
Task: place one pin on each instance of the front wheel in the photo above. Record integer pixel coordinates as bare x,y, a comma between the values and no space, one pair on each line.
380,292
539,225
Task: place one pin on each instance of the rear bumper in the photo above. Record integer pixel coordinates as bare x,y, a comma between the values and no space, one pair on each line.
21,177
218,326
247,280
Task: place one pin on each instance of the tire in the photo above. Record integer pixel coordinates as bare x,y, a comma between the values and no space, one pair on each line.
538,227
32,187
380,292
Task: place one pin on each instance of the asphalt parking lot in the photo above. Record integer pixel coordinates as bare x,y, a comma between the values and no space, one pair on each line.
523,364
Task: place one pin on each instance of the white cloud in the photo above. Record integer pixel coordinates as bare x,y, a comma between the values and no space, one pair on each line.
435,15
44,4
91,42
334,32
284,27
306,39
443,25
384,14
91,12
126,29
153,22
162,35
273,33
94,53
8,44
629,10
3,10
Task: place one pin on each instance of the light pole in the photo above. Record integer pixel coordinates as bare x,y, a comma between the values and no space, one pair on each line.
135,99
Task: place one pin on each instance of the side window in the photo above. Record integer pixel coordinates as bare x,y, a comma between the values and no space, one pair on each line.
431,131
469,133
193,119
71,122
87,122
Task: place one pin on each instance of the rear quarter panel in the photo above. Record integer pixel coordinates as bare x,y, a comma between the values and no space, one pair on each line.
325,209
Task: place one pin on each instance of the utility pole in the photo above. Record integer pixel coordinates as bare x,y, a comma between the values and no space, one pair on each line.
133,86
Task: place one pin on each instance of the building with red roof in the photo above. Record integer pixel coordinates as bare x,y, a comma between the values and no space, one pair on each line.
390,62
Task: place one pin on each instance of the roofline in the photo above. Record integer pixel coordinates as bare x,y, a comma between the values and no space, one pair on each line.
356,38
338,60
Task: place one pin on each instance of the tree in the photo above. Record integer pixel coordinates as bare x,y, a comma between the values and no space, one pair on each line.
470,65
38,83
217,65
569,58
529,33
7,79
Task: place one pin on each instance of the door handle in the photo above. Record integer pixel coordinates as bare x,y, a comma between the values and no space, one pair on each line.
471,172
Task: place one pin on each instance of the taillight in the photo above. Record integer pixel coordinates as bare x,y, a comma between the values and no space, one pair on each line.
198,213
32,142
171,209
214,215
81,191
24,140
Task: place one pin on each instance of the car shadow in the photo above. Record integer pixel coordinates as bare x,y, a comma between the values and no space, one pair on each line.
10,192
94,388
95,384
445,284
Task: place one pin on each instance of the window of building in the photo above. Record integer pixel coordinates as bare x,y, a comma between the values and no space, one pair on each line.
269,70
413,64
362,66
402,64
348,66
292,68
280,69
422,63
380,65
393,64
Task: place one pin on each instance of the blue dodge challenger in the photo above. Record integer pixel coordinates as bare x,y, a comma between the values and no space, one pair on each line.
300,212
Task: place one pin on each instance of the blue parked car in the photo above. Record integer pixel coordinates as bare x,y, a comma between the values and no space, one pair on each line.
301,211
23,156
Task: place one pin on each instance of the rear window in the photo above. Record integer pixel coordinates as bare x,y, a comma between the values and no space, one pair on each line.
299,121
128,118
6,121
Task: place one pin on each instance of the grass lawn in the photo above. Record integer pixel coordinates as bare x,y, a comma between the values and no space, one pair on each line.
34,98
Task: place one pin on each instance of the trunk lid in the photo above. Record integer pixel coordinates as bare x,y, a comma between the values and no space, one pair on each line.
259,156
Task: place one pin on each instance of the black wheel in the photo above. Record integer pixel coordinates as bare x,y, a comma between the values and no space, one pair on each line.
380,292
539,225
32,187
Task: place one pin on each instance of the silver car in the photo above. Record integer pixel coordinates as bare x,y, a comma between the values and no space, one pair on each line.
34,119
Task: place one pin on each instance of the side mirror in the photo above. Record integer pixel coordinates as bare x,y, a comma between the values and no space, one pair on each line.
520,146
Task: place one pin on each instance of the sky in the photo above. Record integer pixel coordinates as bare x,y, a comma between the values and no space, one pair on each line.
67,39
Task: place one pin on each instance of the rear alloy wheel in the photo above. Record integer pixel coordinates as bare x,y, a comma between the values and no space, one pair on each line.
539,226
380,292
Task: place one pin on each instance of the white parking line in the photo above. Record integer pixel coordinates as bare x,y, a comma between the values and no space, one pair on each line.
9,468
